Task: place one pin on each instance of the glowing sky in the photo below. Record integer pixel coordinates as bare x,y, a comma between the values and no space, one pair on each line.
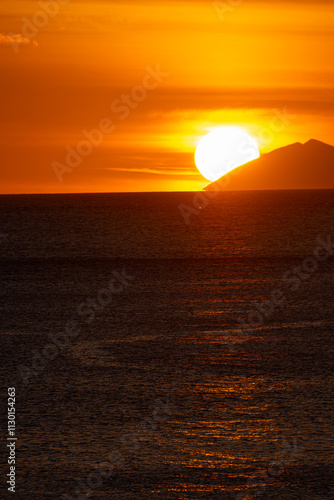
264,66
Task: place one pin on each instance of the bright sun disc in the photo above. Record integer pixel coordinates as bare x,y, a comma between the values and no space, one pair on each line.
224,149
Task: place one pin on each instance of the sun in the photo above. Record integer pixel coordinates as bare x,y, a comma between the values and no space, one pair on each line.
224,149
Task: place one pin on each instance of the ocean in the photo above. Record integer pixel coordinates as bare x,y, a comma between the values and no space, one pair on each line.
158,355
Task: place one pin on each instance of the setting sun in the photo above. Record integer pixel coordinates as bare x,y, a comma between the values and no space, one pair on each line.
224,149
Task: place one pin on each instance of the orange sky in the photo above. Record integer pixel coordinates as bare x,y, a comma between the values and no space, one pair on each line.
67,71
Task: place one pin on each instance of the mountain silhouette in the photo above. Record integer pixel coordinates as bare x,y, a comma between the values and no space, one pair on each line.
297,166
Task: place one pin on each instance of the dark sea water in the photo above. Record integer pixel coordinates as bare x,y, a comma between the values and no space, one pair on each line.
157,382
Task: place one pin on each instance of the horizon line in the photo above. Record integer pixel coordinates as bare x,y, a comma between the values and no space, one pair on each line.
160,192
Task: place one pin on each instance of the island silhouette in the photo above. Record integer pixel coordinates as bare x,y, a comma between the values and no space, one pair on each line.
296,166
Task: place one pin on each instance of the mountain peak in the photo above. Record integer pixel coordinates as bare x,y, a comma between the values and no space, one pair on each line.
296,166
315,142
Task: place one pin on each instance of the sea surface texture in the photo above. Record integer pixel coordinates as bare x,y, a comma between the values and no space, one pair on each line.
160,353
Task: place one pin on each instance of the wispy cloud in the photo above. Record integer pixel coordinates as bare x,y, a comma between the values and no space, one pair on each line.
155,171
15,39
